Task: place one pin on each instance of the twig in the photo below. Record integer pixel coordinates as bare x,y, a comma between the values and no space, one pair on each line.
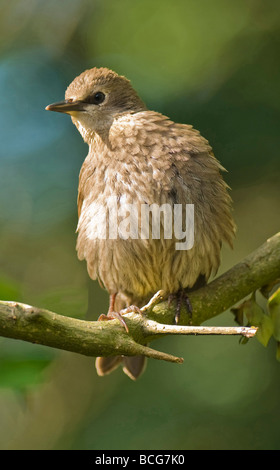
152,328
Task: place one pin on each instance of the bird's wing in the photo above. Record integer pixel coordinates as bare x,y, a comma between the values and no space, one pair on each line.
189,173
197,175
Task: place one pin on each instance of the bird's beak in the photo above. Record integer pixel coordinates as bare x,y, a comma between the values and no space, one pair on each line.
67,106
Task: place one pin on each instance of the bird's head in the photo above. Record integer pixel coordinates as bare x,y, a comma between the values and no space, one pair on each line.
97,97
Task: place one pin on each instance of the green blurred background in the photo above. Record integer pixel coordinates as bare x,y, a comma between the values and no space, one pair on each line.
213,64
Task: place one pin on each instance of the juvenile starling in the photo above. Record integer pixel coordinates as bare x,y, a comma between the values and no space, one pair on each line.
141,157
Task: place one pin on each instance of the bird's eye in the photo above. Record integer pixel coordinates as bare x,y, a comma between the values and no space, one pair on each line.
97,98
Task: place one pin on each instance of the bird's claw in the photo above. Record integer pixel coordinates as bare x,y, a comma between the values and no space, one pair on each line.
180,298
131,308
114,316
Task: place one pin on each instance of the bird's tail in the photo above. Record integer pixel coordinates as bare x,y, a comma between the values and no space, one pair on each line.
133,366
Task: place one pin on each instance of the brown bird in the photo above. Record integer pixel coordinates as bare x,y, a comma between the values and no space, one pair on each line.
137,158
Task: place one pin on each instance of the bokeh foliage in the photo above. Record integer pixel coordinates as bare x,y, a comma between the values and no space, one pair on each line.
212,64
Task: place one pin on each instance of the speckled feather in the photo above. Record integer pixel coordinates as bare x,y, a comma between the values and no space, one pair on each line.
140,156
151,159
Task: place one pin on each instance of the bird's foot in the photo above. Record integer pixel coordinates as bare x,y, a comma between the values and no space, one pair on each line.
112,315
131,308
181,298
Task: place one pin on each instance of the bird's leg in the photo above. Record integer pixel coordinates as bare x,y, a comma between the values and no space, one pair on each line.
180,298
112,314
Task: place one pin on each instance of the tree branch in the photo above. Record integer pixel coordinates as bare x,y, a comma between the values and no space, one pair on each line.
105,338
258,269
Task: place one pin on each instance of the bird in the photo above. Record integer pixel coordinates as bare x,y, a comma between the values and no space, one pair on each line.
141,158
